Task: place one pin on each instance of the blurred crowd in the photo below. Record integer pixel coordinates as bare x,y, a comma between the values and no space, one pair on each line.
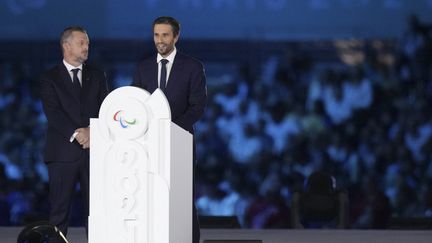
363,117
23,176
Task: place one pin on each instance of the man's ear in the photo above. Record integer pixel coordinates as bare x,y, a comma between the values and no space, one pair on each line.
176,38
66,46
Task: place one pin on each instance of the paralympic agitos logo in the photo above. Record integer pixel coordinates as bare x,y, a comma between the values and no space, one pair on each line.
124,122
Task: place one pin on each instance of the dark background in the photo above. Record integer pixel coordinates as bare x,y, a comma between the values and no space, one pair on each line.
341,86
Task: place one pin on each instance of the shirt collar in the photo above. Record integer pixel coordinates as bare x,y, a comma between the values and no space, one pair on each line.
69,67
170,57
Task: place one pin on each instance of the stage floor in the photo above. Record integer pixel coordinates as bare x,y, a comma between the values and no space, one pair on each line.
77,235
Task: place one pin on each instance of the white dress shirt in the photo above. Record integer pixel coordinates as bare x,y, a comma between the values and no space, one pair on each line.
69,67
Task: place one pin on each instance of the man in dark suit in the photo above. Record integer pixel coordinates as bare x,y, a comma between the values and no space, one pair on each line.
72,93
180,77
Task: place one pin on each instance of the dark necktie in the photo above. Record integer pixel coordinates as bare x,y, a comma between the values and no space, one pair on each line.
75,80
163,76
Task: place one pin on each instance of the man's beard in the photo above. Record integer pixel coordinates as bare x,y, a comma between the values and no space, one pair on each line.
163,49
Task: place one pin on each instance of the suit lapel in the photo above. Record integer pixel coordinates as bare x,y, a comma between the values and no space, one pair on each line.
175,71
66,81
154,82
66,87
86,77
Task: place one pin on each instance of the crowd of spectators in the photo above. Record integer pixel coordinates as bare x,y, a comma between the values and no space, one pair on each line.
23,176
368,124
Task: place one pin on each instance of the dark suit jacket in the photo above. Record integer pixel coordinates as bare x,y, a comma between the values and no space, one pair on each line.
66,110
186,90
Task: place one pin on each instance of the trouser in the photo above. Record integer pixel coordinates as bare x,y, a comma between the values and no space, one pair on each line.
63,177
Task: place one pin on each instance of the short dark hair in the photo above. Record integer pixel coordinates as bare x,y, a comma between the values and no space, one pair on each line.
175,25
68,32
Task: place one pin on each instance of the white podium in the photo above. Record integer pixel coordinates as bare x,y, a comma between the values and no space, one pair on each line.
140,171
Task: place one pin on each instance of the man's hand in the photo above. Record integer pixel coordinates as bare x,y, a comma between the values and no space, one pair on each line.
83,137
86,145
